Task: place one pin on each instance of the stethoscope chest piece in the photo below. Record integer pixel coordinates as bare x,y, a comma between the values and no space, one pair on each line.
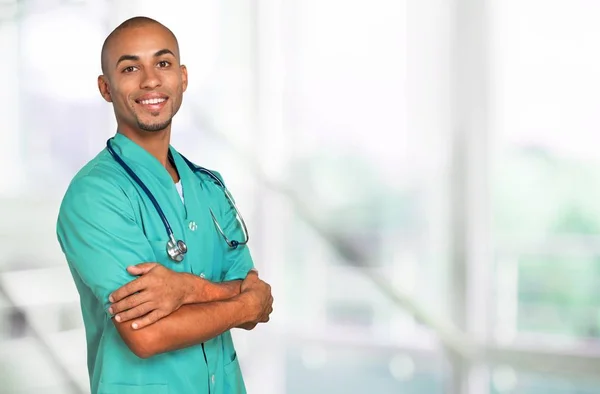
176,250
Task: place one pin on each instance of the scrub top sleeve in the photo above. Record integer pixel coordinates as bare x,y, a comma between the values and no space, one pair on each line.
238,262
99,236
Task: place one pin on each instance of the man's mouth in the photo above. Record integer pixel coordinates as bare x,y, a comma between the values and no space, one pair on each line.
152,104
152,101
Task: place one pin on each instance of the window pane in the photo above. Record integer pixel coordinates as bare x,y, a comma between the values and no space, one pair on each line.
546,190
368,180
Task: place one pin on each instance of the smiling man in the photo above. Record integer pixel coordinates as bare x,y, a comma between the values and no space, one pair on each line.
157,310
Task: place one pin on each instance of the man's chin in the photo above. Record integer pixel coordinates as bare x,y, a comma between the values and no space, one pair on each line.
154,127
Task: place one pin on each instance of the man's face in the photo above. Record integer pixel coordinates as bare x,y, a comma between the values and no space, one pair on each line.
143,78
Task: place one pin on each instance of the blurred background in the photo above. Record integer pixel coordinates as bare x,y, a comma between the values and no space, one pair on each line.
419,179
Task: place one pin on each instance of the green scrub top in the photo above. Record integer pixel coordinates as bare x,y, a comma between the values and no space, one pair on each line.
107,223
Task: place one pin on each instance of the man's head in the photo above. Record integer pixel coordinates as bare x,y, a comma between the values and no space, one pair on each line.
142,75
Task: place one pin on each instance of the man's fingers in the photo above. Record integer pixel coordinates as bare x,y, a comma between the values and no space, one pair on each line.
251,277
269,303
125,291
150,318
141,269
264,318
130,302
135,312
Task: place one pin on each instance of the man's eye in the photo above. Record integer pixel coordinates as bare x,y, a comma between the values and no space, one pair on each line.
163,63
129,69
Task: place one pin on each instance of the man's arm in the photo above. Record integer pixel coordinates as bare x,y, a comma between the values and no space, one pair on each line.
220,292
203,290
159,291
206,291
197,289
194,324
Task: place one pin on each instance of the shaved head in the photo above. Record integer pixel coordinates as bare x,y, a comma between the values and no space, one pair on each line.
131,23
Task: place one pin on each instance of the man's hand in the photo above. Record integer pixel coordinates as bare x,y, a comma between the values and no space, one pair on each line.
157,293
257,295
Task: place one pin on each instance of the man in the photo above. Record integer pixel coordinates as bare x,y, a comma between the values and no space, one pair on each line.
154,324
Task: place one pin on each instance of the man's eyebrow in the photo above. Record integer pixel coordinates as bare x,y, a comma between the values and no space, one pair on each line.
164,52
127,57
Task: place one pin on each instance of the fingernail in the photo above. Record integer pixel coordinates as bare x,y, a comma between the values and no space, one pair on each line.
110,310
118,318
110,298
135,326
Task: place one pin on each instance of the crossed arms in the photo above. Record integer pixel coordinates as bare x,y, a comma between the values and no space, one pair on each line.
163,310
100,237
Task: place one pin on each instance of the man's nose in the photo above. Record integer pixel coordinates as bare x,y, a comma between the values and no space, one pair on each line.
150,79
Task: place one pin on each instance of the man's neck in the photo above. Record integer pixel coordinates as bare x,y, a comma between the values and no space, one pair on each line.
157,144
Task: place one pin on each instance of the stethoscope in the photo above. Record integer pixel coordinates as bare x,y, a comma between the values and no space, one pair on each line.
176,249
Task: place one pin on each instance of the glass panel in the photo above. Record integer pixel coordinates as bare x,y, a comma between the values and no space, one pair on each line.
546,168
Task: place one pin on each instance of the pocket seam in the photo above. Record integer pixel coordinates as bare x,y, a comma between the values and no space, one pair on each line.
231,365
115,388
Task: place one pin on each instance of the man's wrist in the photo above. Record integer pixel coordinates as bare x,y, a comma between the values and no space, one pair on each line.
246,312
194,287
198,290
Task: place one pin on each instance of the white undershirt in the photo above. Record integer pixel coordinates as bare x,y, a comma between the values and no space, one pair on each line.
179,188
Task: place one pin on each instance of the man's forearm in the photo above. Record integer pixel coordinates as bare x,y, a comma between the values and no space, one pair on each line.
202,290
189,325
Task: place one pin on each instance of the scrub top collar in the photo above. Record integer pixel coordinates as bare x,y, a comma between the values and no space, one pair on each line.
134,155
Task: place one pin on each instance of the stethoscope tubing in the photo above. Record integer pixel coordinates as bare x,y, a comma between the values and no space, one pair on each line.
137,180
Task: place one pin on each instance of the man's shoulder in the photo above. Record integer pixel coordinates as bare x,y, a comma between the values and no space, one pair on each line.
98,179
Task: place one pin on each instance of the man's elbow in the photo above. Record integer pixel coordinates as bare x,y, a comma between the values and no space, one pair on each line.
140,342
140,349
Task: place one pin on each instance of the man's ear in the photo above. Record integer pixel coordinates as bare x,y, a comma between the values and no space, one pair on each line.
104,88
184,77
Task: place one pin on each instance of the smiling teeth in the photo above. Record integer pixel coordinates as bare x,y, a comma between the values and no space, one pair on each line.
153,101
